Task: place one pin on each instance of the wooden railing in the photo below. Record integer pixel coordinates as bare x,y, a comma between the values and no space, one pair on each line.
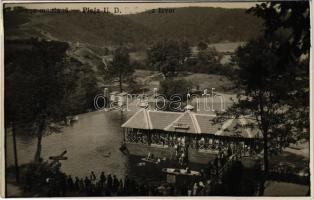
228,164
216,179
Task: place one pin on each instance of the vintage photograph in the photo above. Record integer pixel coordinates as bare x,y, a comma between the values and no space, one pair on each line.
157,99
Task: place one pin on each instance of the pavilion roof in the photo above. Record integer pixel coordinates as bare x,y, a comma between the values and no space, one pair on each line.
191,122
185,123
239,127
160,120
139,120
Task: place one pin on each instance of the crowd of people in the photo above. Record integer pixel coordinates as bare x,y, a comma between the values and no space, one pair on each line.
44,179
237,147
202,143
62,185
56,183
110,185
103,185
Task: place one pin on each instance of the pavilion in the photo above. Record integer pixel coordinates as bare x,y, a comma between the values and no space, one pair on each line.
160,132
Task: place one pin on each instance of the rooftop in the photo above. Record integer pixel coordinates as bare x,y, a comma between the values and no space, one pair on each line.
191,122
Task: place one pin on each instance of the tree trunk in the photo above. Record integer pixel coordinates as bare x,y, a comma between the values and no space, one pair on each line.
120,82
39,139
264,173
265,153
17,171
261,183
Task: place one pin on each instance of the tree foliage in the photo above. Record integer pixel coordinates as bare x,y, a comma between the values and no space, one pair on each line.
175,91
209,58
120,68
272,76
168,56
287,28
263,94
179,87
202,45
40,80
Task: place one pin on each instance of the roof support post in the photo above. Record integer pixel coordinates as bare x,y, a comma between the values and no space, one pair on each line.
149,138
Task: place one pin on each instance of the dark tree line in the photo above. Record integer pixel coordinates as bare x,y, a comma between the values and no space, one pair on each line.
44,85
171,57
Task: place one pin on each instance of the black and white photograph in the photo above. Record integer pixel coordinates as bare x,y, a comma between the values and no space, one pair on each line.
166,99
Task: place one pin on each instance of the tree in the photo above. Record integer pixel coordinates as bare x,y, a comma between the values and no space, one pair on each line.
291,16
209,59
272,76
167,56
202,46
262,94
36,82
287,28
80,88
175,91
120,68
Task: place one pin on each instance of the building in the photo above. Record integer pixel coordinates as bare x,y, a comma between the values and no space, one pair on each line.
163,133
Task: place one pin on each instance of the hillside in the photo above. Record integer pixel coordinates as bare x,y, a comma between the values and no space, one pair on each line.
96,29
198,23
194,24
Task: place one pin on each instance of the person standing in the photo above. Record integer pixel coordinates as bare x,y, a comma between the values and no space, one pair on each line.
195,188
70,183
229,150
81,185
208,188
222,159
126,185
176,149
120,189
210,167
190,189
102,180
87,185
63,184
115,185
201,189
109,182
92,177
181,159
77,184
216,165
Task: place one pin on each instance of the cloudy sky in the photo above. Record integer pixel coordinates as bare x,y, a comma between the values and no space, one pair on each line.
128,8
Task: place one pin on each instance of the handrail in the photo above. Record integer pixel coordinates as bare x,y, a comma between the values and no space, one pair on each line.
231,159
220,172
